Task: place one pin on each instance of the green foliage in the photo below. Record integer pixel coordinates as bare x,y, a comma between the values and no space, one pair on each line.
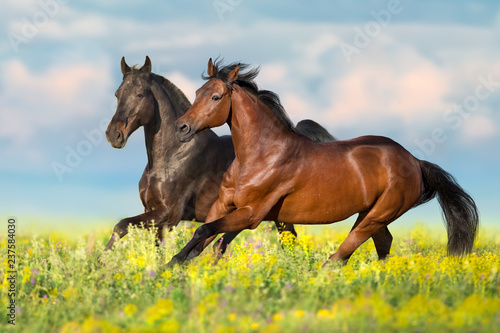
258,286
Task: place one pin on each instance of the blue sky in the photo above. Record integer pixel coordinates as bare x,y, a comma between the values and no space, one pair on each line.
425,73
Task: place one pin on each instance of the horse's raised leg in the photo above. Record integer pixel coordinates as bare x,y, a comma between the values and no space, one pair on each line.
219,247
154,217
237,220
383,242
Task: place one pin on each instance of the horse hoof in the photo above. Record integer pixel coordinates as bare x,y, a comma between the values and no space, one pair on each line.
330,263
173,262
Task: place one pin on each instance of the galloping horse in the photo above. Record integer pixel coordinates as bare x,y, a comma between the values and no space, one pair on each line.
279,174
180,181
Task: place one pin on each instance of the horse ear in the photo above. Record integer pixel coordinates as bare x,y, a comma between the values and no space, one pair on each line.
146,68
125,68
233,75
211,71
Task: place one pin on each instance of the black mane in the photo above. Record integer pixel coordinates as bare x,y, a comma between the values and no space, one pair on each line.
246,80
172,89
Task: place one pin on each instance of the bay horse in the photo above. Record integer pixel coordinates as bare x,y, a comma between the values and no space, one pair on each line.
279,174
180,181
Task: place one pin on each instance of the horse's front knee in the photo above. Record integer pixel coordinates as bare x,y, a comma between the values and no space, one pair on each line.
121,228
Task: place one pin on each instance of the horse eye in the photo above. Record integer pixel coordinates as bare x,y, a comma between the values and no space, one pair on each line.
215,97
140,96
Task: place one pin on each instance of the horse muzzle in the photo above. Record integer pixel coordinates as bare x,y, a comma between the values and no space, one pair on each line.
115,137
184,132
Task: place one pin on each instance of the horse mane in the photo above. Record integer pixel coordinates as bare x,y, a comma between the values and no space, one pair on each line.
246,80
174,91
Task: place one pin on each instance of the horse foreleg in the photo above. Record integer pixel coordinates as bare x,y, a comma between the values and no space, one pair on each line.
237,220
222,244
154,217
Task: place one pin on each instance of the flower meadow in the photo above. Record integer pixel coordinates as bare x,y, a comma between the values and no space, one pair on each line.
259,285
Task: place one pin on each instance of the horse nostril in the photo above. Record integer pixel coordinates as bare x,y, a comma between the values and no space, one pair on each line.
184,128
119,135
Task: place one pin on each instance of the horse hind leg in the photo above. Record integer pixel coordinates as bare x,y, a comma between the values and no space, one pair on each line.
383,242
282,227
372,223
365,229
381,238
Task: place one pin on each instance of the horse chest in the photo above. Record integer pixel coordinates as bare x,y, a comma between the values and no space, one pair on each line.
149,189
250,188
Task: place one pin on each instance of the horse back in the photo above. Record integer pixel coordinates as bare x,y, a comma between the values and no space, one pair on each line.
349,175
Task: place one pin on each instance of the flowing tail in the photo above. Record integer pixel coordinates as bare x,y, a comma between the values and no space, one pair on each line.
459,210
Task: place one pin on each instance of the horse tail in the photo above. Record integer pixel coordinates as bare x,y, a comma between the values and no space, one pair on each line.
459,210
314,131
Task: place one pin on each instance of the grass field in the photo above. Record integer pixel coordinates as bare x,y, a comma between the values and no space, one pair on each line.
259,286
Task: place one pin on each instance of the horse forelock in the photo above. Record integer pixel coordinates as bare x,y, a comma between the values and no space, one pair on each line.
173,91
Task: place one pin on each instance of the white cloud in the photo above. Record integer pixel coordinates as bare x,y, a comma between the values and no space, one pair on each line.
297,107
310,51
185,84
73,26
61,94
25,6
410,87
406,74
478,128
272,73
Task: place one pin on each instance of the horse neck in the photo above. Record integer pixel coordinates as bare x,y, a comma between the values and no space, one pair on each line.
253,125
159,134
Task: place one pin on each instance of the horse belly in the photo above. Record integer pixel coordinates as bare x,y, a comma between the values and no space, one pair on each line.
321,204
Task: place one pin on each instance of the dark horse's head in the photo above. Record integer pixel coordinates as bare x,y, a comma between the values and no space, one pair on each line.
135,103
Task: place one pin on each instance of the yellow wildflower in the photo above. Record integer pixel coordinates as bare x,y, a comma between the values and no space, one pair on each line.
158,311
130,309
97,325
71,327
137,277
299,313
323,313
166,275
71,293
26,274
169,326
277,317
140,262
254,326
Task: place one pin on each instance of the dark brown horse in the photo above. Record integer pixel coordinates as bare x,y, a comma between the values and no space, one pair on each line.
281,175
180,181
